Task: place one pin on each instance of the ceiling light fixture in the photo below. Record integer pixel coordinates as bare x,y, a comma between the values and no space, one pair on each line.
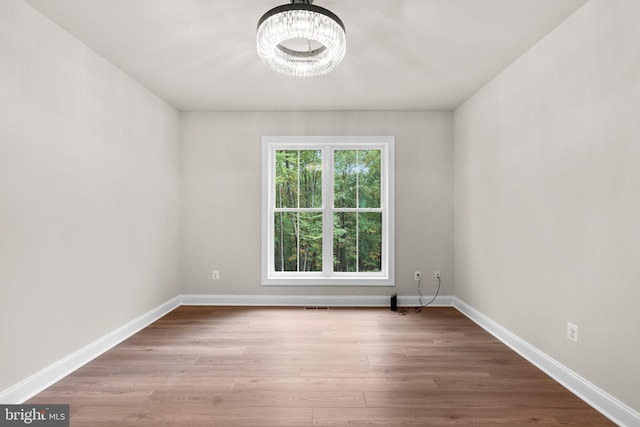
300,39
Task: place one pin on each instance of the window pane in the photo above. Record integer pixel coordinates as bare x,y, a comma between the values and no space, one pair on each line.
344,241
285,240
310,241
344,177
370,241
369,178
286,179
310,178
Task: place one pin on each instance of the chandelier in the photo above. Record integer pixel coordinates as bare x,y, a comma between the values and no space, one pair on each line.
300,39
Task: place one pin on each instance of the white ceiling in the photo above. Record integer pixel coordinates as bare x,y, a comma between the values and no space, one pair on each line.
199,55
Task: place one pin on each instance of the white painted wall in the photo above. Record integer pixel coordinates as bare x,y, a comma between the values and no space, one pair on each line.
88,195
221,196
547,196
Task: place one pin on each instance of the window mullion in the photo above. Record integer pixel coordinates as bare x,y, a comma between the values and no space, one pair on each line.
298,216
327,218
298,183
357,179
357,241
357,207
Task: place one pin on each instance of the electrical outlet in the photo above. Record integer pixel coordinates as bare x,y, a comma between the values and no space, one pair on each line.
215,274
572,332
436,274
416,275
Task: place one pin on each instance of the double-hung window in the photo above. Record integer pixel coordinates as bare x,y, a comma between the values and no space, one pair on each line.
328,210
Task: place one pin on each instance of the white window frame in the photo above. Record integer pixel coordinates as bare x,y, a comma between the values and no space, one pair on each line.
386,277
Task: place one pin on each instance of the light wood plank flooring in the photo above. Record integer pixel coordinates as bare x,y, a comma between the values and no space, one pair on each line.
223,366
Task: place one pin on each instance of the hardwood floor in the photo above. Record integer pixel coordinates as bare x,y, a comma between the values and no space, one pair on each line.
224,366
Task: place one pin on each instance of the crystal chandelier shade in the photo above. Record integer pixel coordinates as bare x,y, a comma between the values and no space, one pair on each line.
321,29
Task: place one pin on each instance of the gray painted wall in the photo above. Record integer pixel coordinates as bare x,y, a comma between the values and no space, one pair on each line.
88,195
221,196
547,196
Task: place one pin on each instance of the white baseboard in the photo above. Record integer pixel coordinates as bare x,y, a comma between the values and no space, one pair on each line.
599,399
309,300
414,301
37,382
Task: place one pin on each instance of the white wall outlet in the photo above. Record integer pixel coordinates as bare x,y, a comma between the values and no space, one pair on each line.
215,274
416,275
572,332
436,274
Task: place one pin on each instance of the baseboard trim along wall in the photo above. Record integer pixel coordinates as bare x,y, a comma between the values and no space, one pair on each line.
39,381
608,405
310,300
599,399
